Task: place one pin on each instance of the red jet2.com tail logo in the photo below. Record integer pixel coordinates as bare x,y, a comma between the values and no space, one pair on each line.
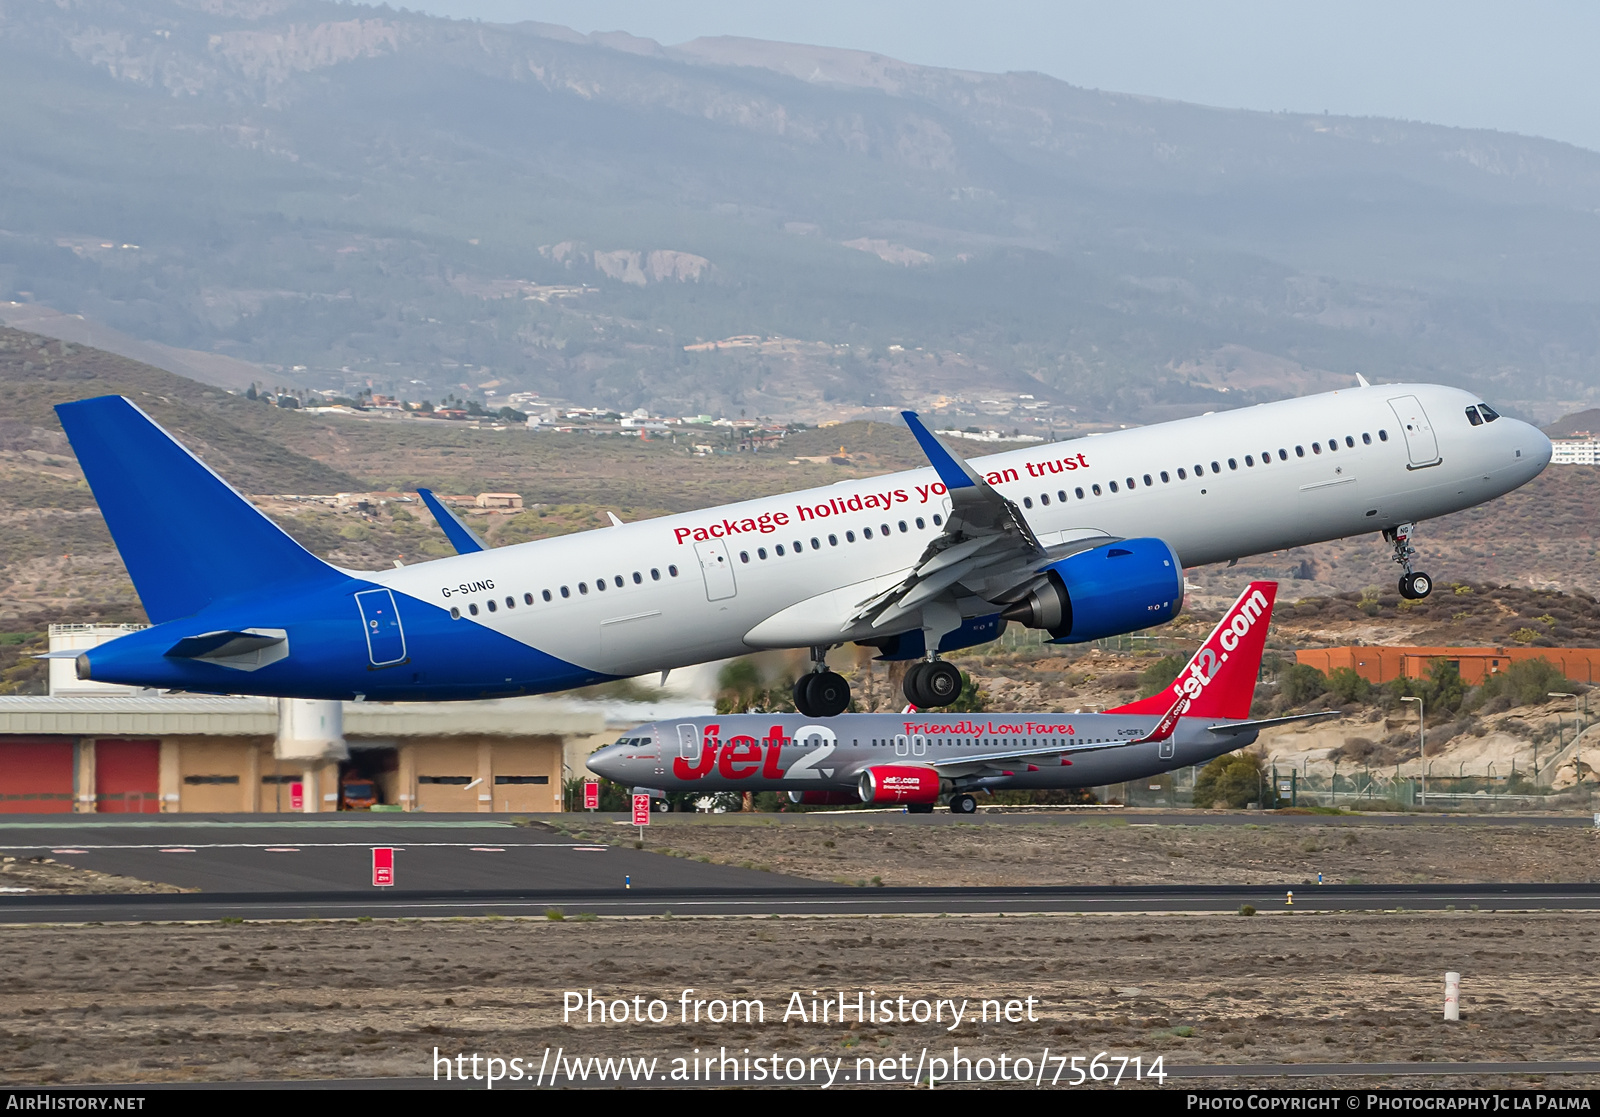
1206,662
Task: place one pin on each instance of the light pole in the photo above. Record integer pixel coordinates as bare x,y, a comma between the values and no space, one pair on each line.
1422,744
1577,730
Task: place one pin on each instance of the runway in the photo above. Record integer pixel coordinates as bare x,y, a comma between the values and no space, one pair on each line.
297,855
789,897
298,867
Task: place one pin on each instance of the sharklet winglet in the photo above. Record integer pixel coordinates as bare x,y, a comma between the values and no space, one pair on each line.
955,473
461,537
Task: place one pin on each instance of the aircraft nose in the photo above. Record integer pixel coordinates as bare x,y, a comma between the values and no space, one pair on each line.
1534,444
607,762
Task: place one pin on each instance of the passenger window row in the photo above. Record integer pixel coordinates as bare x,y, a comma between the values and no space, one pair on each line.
1216,467
566,591
849,537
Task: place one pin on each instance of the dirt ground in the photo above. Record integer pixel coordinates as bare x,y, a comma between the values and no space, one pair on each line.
46,875
153,1003
853,849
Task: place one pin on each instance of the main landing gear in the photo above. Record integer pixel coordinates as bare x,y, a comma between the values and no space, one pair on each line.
932,683
963,804
821,693
1414,584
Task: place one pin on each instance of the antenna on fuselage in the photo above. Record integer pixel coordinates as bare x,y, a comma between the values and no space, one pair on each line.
1362,380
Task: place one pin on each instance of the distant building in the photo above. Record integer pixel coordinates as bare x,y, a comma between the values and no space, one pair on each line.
498,500
1575,451
1382,664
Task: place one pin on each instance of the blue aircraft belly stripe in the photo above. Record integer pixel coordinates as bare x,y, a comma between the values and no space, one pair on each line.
330,655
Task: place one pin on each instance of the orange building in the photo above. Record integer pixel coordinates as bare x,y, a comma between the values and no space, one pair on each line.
1381,664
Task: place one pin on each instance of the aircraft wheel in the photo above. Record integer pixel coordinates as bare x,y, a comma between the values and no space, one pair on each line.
919,808
941,683
963,804
828,694
802,695
1416,586
912,687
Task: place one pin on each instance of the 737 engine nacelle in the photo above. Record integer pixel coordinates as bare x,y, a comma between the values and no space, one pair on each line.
899,783
1120,587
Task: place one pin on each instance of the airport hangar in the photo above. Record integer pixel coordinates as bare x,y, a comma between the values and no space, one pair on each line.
99,748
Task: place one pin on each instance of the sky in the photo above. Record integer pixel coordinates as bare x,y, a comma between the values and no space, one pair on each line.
1523,67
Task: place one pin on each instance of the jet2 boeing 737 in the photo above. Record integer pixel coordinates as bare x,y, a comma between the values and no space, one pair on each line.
1083,539
916,758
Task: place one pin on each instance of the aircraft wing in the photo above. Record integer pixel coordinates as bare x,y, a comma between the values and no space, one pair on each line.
986,544
461,537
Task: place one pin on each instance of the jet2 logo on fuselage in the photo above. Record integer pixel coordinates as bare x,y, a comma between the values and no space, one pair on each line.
742,756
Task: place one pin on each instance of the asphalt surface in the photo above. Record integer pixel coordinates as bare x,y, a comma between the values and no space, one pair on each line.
783,897
282,857
294,866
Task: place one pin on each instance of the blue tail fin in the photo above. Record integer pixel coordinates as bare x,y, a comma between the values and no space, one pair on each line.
186,536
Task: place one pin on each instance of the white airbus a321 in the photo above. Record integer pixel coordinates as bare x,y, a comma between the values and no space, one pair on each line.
1083,539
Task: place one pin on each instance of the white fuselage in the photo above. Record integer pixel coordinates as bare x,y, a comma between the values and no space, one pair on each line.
689,588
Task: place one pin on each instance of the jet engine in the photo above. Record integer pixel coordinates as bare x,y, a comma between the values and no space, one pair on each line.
899,783
1120,587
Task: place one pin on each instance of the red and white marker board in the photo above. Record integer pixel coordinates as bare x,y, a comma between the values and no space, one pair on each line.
591,796
641,810
382,867
297,796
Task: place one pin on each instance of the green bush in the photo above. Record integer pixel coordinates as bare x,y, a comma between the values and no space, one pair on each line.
741,689
1441,690
1236,780
1525,682
1301,683
971,700
1156,677
1347,686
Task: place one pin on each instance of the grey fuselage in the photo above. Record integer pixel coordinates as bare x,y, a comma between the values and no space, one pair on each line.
790,752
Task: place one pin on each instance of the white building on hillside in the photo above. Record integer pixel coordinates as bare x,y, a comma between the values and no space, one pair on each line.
1575,451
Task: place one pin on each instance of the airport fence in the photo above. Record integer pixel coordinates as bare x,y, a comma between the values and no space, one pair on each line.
1314,784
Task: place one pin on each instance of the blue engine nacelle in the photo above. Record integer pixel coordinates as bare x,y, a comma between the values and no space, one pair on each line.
1121,587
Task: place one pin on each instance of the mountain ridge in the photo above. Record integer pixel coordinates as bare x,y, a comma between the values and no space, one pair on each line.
365,192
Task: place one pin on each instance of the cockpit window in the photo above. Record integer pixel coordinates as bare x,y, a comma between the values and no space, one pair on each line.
1489,413
1473,417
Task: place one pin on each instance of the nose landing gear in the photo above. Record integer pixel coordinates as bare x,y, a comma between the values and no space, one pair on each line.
821,693
1414,584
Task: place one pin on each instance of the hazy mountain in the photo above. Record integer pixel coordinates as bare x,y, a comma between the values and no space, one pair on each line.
384,196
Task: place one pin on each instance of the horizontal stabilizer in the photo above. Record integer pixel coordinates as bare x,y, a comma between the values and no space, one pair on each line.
246,650
1267,723
461,537
212,644
187,537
